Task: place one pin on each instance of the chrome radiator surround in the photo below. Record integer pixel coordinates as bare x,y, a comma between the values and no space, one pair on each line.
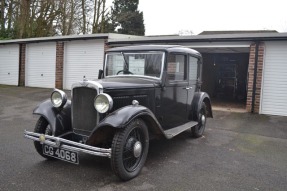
84,116
89,84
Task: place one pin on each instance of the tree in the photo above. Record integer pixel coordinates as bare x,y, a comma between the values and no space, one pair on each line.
126,18
6,10
101,19
42,18
65,19
3,6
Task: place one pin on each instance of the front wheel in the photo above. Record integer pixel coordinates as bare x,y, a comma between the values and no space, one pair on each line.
197,131
42,127
129,149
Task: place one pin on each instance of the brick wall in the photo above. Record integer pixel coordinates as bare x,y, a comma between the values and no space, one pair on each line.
106,46
59,64
22,61
258,77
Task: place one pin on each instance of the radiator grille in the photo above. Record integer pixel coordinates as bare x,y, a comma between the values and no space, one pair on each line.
84,115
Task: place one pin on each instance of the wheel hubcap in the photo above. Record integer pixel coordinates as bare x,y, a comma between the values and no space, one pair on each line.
133,150
203,119
137,149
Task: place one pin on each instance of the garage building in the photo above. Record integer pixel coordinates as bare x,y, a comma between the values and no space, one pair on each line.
53,62
246,68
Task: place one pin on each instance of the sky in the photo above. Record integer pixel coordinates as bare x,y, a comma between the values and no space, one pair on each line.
165,17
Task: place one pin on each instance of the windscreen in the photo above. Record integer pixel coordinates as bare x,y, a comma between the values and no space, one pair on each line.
140,64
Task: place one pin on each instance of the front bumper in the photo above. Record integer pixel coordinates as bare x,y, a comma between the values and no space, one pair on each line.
67,144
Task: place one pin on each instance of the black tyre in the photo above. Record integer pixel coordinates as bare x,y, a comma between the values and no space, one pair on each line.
42,127
129,150
197,131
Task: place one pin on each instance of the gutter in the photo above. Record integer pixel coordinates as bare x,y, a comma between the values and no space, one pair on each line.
210,38
55,39
255,76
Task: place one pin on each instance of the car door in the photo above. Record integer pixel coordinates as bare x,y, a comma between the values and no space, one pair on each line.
193,78
174,95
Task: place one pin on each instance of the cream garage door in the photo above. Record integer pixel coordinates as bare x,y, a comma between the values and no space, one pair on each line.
274,84
40,65
9,64
82,59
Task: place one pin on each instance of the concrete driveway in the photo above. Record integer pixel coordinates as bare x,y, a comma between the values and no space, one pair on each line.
239,151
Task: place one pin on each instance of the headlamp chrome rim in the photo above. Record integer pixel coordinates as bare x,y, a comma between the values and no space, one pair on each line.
63,98
108,100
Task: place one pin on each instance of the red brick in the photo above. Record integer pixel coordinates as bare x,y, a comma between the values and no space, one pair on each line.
59,64
22,60
258,77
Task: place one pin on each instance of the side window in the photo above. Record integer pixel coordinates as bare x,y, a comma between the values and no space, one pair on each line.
193,67
176,67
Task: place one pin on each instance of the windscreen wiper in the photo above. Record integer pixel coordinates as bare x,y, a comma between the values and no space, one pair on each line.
126,63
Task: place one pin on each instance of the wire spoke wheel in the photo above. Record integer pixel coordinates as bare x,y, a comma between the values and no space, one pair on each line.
129,150
42,127
202,120
198,130
133,146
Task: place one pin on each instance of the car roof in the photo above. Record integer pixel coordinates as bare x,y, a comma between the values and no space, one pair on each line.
168,48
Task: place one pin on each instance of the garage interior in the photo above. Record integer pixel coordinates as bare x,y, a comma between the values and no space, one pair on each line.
224,77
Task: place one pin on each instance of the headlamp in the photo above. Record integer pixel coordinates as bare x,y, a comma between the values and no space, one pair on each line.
58,98
103,103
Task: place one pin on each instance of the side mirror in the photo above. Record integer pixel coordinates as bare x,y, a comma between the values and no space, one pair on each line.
101,74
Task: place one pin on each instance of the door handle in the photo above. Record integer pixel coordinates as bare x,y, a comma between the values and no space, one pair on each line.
187,88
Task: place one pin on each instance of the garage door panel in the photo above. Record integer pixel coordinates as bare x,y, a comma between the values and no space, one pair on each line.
274,86
270,99
278,65
278,98
276,70
41,65
82,58
273,104
9,64
279,109
279,87
271,111
278,81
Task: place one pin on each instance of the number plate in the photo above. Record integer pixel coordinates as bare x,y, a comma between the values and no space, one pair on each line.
62,154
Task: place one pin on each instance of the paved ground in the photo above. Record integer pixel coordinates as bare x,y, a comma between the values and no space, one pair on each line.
239,151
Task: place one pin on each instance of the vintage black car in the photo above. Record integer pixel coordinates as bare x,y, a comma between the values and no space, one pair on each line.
143,92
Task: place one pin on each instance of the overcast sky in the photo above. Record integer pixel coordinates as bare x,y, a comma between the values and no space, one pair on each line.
163,17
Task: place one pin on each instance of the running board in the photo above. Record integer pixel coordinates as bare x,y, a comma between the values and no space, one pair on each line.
170,133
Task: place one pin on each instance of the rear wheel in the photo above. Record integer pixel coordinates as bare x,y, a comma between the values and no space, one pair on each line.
129,150
197,131
42,127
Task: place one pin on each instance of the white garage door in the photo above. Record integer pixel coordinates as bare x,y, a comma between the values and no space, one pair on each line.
274,91
40,65
9,64
82,58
